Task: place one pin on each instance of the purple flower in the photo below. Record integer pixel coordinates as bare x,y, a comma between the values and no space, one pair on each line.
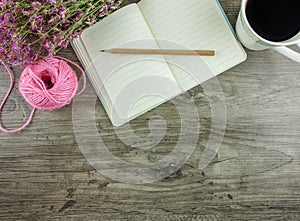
32,29
36,4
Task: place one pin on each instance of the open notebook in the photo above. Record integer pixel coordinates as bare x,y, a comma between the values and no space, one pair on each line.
130,85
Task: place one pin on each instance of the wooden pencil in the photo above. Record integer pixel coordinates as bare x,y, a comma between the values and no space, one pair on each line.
159,52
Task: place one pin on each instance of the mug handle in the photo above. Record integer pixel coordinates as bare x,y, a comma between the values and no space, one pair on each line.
289,52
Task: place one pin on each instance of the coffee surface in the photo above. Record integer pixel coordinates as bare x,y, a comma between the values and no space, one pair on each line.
274,20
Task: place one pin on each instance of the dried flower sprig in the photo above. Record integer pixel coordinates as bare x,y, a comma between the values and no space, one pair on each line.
32,29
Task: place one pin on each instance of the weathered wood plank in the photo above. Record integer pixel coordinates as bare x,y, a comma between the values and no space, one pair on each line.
44,176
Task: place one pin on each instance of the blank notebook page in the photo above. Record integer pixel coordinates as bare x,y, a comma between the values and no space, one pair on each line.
194,24
120,78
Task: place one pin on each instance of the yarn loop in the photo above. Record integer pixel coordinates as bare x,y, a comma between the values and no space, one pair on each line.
47,85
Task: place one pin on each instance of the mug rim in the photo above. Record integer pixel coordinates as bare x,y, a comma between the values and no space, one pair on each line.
290,41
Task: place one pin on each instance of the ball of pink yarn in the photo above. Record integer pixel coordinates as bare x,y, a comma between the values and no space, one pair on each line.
49,84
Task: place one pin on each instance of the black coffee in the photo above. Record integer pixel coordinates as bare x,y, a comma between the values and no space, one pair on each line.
274,20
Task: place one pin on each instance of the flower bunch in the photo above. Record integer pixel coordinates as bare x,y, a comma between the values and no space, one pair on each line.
32,29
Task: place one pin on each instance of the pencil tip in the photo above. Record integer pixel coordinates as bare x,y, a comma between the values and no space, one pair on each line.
102,51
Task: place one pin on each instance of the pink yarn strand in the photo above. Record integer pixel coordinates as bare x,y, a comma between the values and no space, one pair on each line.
82,72
48,85
51,83
4,101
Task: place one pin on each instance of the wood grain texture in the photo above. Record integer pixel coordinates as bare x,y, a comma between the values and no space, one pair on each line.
255,176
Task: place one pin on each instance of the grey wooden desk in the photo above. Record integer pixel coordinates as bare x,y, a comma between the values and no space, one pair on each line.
255,176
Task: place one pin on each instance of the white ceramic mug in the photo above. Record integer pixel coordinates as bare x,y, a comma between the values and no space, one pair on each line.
251,40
